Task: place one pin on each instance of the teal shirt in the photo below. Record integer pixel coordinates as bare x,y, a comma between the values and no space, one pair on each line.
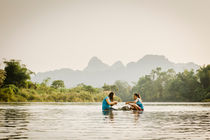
105,105
139,103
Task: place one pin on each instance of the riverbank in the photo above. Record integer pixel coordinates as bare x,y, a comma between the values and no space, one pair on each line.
48,94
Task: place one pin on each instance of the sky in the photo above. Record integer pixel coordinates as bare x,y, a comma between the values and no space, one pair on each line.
53,34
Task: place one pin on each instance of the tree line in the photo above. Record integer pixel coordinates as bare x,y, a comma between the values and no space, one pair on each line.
161,86
15,86
168,86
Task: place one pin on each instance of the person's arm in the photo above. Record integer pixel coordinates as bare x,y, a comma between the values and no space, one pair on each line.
131,102
111,103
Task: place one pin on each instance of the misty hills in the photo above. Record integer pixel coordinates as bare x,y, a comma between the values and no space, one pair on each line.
97,73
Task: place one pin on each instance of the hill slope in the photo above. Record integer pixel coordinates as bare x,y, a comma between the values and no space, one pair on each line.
97,73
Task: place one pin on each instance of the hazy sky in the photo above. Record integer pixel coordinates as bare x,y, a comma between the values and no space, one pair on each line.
53,34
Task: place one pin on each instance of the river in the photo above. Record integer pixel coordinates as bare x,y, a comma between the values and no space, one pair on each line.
78,121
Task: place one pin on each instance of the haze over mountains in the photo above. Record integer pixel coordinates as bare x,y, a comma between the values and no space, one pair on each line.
97,73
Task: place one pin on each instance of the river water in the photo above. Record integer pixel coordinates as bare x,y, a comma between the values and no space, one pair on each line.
78,121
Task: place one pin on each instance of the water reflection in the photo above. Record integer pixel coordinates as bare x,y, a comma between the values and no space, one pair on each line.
13,124
71,121
137,115
109,114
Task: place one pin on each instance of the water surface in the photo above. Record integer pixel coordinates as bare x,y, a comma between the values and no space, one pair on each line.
86,121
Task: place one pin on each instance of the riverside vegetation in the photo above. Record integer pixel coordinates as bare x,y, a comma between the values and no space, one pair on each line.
15,86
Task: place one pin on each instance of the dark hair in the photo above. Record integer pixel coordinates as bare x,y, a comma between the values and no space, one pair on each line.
137,95
111,96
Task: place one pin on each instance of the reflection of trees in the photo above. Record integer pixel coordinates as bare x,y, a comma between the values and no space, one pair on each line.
13,123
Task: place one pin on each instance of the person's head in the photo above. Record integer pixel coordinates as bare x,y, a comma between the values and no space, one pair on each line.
111,96
136,95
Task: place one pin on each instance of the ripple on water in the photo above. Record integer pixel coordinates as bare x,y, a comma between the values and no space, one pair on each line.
87,121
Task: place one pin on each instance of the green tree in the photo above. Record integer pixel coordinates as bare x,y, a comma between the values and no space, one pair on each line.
185,87
87,88
16,73
124,90
154,87
45,82
2,76
57,84
204,76
110,88
204,79
145,87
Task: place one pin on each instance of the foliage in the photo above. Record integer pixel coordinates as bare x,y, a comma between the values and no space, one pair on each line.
57,84
121,88
157,86
17,88
2,76
204,77
88,88
124,90
110,88
45,82
169,86
11,93
16,73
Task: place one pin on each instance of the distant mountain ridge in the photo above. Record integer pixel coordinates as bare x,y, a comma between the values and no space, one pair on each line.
97,73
